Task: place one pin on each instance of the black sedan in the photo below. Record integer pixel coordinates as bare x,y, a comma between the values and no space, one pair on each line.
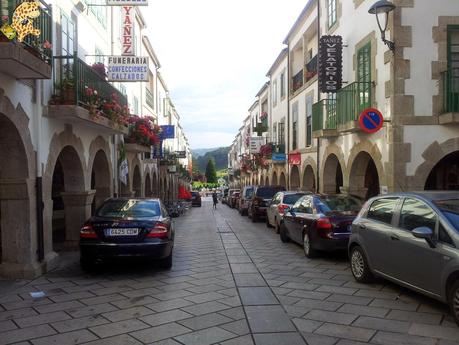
320,222
125,227
195,199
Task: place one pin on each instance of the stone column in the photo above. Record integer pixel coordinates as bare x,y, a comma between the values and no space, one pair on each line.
77,211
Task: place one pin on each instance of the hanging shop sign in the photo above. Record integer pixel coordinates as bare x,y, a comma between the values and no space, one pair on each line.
371,120
127,31
255,144
22,21
294,158
127,68
167,132
278,157
127,2
330,63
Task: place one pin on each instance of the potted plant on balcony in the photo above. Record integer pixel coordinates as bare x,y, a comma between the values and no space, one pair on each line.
67,90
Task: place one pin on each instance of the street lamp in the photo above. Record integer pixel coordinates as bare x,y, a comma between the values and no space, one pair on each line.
383,7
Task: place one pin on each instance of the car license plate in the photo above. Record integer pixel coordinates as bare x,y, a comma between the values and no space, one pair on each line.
122,232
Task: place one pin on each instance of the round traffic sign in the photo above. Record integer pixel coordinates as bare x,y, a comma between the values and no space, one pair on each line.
371,120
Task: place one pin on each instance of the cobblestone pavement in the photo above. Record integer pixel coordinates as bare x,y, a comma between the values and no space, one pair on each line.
232,283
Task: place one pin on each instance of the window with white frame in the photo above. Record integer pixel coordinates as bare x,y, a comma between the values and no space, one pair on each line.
274,93
331,12
68,33
295,126
282,85
309,100
136,106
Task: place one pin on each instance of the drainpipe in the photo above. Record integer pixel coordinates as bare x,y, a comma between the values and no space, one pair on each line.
318,99
39,180
287,147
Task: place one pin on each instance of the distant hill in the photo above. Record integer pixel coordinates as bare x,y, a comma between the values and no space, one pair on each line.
219,155
201,152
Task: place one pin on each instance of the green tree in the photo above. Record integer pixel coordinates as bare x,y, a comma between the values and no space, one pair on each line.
211,173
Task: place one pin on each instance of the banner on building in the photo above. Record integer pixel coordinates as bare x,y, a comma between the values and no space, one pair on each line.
180,154
294,158
127,68
127,31
124,170
127,3
167,132
330,63
256,143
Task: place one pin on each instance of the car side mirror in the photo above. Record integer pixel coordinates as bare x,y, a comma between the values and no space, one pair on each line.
425,233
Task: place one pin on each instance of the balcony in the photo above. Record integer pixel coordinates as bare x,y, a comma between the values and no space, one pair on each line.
297,81
30,59
82,95
149,98
324,118
311,69
330,116
450,92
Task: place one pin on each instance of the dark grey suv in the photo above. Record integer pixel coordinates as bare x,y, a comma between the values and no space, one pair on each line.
411,239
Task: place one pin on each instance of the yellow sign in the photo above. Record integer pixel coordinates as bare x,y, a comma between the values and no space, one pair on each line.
23,17
8,31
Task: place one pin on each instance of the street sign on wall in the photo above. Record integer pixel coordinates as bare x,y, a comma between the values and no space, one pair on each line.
167,132
127,31
330,63
127,68
371,120
127,2
294,158
255,144
278,157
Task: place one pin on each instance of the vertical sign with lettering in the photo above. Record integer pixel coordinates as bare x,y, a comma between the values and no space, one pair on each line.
127,31
330,63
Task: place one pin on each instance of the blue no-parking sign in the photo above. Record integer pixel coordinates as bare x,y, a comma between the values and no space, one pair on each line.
371,120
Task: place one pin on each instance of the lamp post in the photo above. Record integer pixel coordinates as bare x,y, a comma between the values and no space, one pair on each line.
383,7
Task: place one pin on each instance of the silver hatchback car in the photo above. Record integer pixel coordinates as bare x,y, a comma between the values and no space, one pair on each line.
411,239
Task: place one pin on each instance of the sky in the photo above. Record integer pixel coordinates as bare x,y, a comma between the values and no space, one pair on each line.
214,56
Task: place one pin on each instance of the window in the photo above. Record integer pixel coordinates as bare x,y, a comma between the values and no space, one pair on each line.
452,87
364,76
382,210
305,206
415,214
331,12
281,133
282,85
277,199
309,100
443,235
122,89
136,106
274,138
68,35
294,126
99,10
275,93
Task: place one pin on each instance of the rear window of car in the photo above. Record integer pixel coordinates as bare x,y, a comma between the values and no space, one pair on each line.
450,209
339,203
129,208
248,192
292,198
382,210
266,192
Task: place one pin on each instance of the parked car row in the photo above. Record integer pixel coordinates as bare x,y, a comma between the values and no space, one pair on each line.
411,239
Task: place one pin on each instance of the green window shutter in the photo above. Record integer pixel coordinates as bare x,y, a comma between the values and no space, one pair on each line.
364,77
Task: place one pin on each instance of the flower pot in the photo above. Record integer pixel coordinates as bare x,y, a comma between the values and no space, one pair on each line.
68,95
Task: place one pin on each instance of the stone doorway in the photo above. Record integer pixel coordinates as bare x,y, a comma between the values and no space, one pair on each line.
309,181
274,181
267,181
282,180
363,177
445,174
137,182
333,175
100,179
148,189
294,178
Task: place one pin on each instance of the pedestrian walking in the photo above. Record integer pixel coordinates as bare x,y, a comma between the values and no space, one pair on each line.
215,199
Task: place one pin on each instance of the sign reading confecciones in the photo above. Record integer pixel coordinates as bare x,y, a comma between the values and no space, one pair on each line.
127,2
330,63
127,68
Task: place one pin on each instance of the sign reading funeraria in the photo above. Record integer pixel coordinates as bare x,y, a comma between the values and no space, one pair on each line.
330,63
127,2
127,68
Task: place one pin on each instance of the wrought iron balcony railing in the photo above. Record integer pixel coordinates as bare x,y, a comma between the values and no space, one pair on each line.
297,81
324,115
450,85
43,22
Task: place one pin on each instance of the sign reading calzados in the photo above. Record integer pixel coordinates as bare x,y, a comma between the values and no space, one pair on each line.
127,68
127,2
330,63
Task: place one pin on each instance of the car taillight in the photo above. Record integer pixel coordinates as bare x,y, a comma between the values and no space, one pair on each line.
87,232
159,231
281,208
324,227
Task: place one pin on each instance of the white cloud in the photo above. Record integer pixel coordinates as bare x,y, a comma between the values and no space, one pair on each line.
214,57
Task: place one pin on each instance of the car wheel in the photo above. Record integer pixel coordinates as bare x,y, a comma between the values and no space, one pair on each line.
283,234
359,266
166,263
453,299
309,252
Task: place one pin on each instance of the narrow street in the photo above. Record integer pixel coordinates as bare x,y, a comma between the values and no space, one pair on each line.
232,282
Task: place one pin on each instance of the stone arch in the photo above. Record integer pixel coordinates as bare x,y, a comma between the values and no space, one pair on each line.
365,158
282,180
70,206
137,181
433,156
309,179
332,177
294,178
274,179
327,182
18,243
267,180
148,187
155,184
100,170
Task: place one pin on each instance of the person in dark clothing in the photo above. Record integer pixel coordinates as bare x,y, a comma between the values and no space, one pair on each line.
214,199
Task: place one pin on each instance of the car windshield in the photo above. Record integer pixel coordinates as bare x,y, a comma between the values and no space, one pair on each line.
129,208
332,203
290,199
450,208
248,192
266,193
